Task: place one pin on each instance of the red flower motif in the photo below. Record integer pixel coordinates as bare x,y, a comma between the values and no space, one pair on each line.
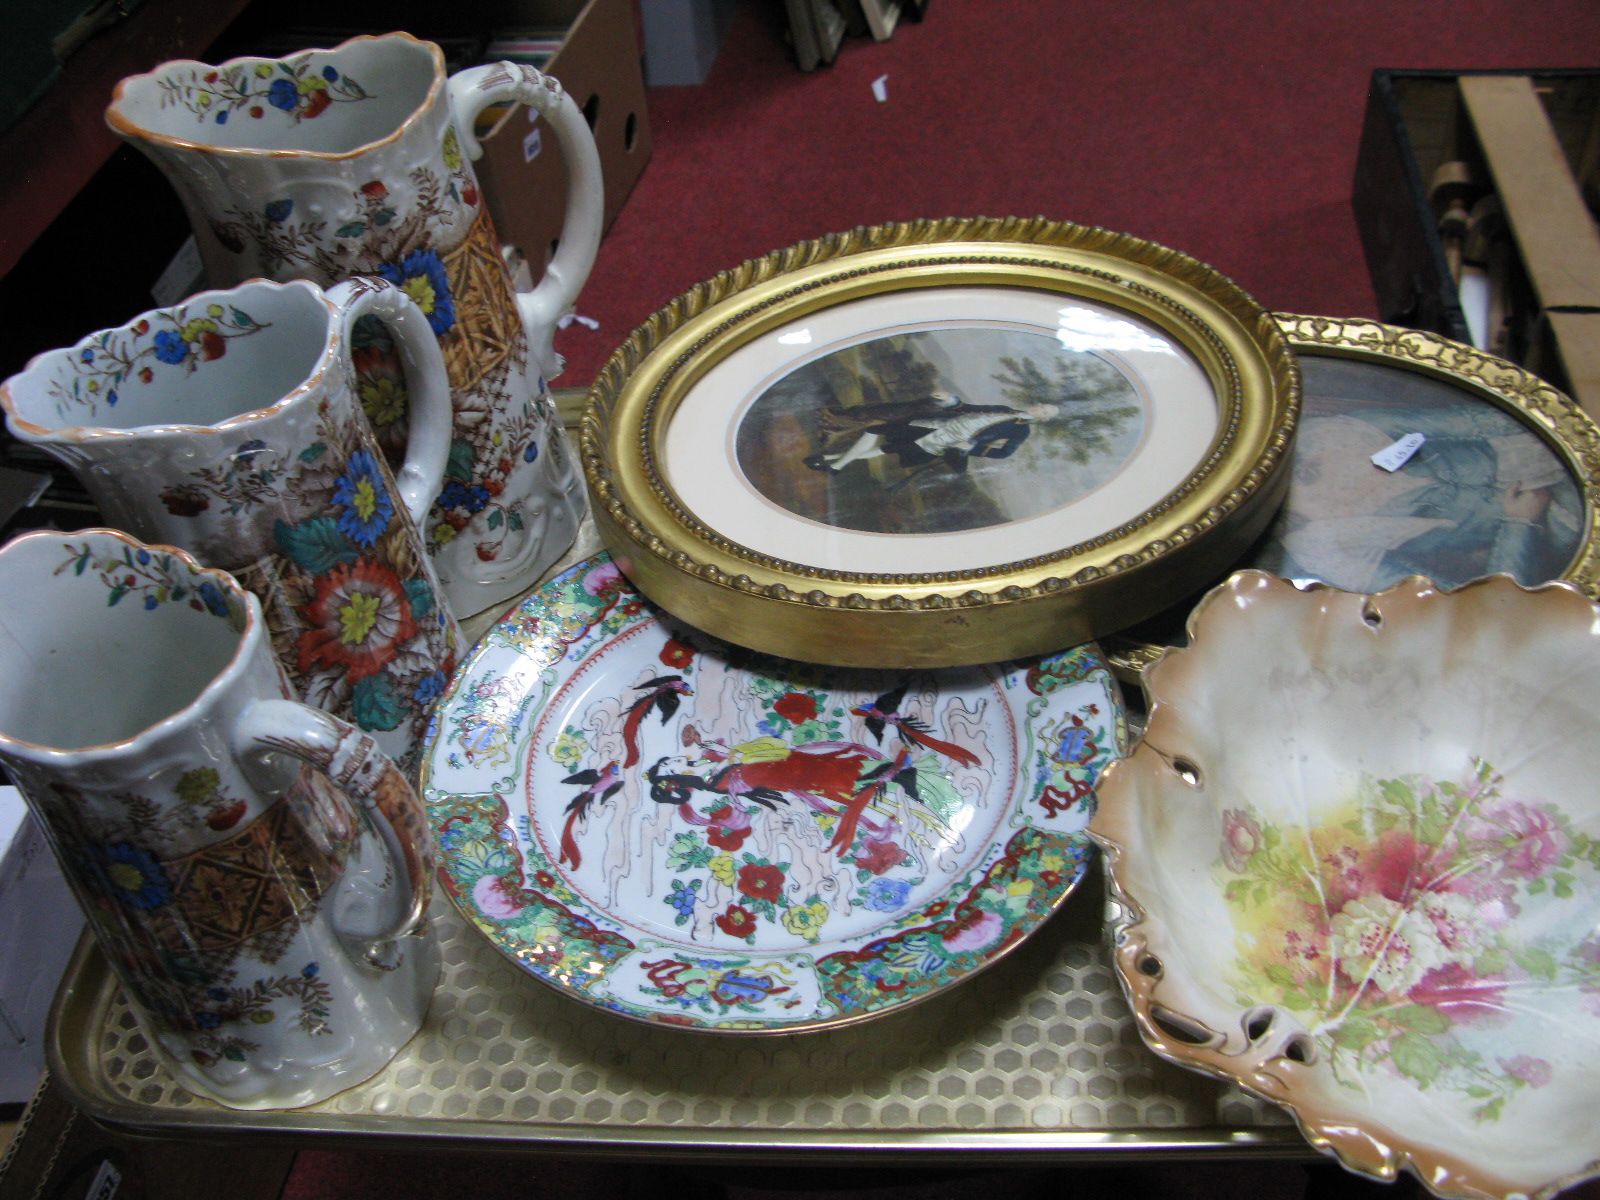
761,882
677,654
545,879
737,922
374,190
487,552
797,708
722,837
146,374
210,76
319,101
359,619
227,816
881,857
142,328
469,195
257,111
212,345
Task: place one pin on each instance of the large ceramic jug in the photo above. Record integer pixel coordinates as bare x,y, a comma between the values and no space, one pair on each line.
256,871
227,425
356,161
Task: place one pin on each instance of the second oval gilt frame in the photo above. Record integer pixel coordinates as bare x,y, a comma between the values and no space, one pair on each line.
1559,422
934,618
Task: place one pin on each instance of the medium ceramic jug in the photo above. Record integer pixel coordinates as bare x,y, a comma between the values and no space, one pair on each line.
255,870
228,425
356,161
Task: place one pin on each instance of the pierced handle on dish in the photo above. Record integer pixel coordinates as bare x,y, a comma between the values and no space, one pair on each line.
354,763
477,88
429,415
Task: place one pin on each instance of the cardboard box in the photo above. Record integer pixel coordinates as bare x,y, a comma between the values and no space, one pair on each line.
599,64
39,927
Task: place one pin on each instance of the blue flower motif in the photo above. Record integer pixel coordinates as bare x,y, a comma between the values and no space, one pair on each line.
132,873
887,895
142,557
278,211
428,690
151,602
217,994
330,74
284,94
453,495
249,451
531,453
111,396
170,347
477,498
367,509
222,117
683,899
212,596
309,971
207,1020
421,276
87,356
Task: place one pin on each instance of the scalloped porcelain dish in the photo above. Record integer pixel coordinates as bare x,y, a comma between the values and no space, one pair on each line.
685,833
1355,864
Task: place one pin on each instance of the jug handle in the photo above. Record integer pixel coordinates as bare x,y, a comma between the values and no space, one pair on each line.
473,90
354,763
429,415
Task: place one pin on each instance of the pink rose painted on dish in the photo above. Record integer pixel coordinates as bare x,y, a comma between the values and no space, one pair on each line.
1535,1072
1533,839
1241,838
603,579
494,899
976,931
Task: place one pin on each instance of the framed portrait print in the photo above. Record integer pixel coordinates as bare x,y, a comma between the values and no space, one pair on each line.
1506,478
940,443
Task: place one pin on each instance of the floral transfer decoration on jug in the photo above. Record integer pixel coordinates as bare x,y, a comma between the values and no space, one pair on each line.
689,833
169,338
1406,928
299,90
468,304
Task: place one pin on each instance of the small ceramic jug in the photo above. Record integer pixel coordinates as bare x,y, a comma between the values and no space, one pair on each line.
229,426
356,160
254,869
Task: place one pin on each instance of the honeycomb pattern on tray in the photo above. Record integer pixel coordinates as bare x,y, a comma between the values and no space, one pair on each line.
1041,1042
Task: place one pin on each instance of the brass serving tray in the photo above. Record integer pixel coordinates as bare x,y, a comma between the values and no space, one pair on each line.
1037,1057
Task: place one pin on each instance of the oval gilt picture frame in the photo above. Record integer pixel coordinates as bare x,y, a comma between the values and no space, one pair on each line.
1506,482
940,443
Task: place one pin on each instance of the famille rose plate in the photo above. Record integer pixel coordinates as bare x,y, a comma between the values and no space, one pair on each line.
1355,863
687,833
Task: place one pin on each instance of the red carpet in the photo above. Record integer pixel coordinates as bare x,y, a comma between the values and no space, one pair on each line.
1227,131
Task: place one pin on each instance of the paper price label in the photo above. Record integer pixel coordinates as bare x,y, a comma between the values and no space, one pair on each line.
1392,458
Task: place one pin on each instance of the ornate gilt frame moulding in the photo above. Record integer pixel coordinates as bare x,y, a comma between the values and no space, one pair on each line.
942,442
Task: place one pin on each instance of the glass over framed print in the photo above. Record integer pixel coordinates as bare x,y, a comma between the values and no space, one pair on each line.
941,443
1502,477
